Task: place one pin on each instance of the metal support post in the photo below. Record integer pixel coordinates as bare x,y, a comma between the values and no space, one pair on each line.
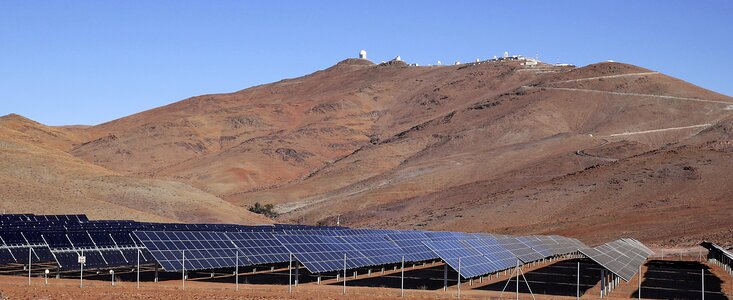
290,273
236,271
183,272
138,268
402,278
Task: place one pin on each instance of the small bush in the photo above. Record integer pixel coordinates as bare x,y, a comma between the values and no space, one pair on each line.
268,210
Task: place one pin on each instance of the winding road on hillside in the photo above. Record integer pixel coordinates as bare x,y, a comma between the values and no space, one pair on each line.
729,107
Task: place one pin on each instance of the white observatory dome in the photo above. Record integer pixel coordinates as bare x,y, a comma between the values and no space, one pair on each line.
362,54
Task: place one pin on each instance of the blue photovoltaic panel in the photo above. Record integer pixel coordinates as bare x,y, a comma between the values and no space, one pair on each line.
564,245
410,242
490,248
618,256
448,235
70,260
520,250
467,262
323,253
377,248
536,244
6,256
548,245
202,249
259,247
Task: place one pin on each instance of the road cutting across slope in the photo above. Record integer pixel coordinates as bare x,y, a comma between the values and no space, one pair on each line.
729,107
659,130
607,76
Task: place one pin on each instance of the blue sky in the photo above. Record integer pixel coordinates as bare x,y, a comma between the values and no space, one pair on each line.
88,62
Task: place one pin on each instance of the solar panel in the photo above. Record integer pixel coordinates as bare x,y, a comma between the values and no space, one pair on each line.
377,248
447,235
323,253
618,256
15,246
520,250
467,262
490,248
410,242
202,249
537,244
259,247
635,243
565,245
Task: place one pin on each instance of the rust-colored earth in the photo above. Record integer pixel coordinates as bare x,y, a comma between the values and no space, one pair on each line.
597,152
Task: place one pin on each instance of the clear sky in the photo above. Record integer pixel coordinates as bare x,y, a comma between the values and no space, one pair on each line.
88,62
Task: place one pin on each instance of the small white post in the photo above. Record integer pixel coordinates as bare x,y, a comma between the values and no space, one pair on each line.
459,278
290,274
577,285
138,268
45,275
236,271
517,279
445,277
183,272
402,278
30,263
81,271
112,274
703,284
344,291
602,283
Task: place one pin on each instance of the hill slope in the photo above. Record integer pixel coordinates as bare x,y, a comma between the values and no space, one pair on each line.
596,152
37,176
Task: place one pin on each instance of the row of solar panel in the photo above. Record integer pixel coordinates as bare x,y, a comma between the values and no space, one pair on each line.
622,257
489,254
19,218
320,249
717,251
323,251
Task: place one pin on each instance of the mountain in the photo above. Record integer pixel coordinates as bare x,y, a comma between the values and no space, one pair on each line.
38,175
596,152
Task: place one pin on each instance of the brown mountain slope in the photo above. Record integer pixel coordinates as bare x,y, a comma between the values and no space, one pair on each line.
677,195
443,147
516,140
37,176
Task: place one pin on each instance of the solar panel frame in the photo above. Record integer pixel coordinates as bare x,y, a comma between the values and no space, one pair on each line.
319,253
468,262
194,250
377,248
494,252
410,242
259,247
520,250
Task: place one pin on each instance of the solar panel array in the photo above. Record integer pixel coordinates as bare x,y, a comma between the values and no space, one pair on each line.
490,248
378,249
175,250
464,259
259,247
620,257
113,243
323,253
410,243
520,250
